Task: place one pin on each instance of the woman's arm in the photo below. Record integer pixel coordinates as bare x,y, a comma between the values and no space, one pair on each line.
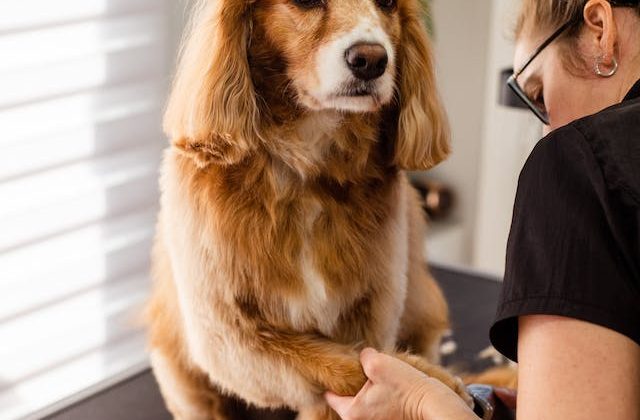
571,369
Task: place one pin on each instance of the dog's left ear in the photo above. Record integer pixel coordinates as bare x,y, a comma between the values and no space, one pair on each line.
422,132
212,114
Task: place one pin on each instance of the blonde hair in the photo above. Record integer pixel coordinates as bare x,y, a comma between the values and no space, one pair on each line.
548,15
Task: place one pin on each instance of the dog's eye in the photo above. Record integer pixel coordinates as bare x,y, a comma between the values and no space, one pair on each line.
308,4
386,4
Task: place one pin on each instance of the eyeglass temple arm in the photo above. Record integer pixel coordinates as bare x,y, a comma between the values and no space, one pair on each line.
544,45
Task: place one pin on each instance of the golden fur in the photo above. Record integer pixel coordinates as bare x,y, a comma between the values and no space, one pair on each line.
289,237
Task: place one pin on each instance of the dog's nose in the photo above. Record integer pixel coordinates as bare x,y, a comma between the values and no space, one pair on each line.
367,61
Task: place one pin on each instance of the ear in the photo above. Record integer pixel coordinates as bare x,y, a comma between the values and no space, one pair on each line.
600,24
422,139
212,112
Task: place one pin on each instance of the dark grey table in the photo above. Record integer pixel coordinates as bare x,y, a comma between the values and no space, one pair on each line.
472,300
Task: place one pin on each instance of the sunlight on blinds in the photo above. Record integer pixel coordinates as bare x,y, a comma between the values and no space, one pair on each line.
82,85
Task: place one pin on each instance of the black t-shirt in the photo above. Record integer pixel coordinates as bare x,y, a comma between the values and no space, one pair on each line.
574,245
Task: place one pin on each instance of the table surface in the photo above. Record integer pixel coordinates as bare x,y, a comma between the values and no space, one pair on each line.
472,300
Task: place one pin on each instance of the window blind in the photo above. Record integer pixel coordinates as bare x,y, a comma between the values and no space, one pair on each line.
82,84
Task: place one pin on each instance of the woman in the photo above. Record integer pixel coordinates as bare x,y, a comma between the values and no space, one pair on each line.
570,306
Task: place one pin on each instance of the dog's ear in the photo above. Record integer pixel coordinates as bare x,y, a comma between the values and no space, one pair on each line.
212,112
422,132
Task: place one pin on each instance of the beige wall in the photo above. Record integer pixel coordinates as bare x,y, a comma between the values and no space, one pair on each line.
508,137
461,38
490,142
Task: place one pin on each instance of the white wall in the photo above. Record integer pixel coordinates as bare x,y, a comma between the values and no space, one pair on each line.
490,142
507,139
461,37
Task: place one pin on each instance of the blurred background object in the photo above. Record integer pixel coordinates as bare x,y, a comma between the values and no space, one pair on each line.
507,96
436,199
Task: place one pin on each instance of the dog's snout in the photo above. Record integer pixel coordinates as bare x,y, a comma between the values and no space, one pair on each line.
367,61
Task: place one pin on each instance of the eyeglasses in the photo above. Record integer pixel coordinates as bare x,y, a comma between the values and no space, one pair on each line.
538,109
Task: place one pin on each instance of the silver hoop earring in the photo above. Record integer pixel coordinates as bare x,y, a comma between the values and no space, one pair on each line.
611,72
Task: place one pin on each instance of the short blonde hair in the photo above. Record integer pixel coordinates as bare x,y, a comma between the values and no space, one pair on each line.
548,15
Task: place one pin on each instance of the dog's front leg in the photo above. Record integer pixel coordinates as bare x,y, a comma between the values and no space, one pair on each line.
336,367
327,365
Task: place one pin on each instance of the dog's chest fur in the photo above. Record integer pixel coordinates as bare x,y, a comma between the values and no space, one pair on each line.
313,307
360,282
310,255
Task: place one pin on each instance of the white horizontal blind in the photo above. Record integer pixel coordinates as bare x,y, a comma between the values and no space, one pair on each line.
82,83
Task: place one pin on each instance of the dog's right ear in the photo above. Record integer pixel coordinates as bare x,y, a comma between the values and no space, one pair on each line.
212,114
422,137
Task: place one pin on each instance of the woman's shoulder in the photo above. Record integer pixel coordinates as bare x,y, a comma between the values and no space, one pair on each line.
574,248
604,146
613,136
562,159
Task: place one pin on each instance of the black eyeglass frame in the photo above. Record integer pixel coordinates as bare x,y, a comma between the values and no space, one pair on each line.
512,82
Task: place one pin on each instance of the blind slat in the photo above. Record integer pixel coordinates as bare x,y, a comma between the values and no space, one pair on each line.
70,328
43,222
90,245
81,143
62,43
70,280
79,74
86,110
22,15
93,176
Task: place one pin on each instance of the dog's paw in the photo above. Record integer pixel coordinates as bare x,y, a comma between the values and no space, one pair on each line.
344,377
439,373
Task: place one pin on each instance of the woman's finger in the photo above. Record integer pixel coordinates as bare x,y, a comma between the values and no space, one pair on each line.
339,404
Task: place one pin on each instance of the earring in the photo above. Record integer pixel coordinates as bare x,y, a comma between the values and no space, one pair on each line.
611,72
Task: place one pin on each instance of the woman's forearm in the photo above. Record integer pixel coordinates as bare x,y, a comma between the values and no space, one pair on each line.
571,369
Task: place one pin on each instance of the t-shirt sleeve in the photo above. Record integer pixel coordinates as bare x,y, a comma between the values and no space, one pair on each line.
562,257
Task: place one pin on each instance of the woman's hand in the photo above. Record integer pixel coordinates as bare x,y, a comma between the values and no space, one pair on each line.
396,390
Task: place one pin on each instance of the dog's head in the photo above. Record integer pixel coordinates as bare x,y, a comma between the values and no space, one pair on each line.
353,56
340,54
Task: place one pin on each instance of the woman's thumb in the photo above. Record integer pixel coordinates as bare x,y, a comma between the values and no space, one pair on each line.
374,364
339,404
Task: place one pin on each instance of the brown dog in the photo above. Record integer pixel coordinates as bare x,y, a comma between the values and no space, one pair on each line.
289,237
